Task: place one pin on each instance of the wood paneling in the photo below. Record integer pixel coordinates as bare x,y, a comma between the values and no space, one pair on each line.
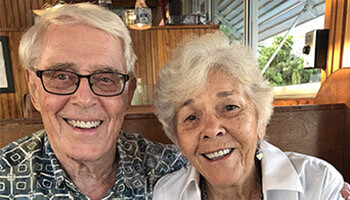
152,48
293,102
15,15
336,90
337,21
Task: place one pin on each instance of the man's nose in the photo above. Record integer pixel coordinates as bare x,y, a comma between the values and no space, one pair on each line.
84,96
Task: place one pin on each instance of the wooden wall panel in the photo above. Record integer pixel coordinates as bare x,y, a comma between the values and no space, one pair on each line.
152,48
346,53
16,14
336,21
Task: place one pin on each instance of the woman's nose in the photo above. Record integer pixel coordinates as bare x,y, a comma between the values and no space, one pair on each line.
212,128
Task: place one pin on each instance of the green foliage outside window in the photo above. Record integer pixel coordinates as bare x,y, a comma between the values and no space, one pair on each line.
228,32
286,68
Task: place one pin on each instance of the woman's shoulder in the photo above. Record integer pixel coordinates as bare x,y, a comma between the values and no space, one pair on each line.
302,163
312,177
319,168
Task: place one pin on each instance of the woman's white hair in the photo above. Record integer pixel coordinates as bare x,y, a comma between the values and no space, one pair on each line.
183,77
87,13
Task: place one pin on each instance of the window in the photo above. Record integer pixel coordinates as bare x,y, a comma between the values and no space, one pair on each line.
263,26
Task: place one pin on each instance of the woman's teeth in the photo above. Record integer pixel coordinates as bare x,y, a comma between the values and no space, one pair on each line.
82,124
218,154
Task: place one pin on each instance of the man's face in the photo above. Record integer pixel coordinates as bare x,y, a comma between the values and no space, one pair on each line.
84,50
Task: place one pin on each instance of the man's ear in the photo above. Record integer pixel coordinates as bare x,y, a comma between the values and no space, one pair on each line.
131,90
33,89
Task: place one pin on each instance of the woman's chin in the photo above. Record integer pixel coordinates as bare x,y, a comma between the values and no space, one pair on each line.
223,182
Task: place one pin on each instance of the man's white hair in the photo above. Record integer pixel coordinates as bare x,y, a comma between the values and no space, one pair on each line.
86,13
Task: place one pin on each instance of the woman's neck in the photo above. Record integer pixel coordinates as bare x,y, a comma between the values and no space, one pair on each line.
250,189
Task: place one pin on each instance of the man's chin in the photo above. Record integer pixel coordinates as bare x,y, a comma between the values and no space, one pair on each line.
83,158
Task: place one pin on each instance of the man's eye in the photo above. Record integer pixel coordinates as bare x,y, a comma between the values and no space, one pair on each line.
106,79
62,76
191,118
230,107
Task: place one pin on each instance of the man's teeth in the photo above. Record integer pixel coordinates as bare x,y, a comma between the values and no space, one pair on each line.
218,154
82,124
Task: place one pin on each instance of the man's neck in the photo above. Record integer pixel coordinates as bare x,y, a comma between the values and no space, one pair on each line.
93,178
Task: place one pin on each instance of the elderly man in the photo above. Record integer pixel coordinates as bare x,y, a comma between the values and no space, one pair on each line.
79,69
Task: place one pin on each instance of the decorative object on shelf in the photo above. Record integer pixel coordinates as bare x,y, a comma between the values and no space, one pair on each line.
6,82
197,18
129,17
143,16
105,3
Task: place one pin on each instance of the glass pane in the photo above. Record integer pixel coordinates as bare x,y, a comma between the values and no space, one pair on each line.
275,19
230,15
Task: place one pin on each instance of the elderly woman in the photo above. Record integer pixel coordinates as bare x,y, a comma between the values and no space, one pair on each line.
215,105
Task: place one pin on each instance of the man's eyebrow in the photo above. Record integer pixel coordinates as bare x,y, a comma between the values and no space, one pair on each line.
62,66
105,68
224,94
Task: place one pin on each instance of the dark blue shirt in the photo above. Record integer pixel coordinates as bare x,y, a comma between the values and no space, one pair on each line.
29,169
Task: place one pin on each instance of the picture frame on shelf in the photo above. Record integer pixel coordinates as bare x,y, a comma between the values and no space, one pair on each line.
6,79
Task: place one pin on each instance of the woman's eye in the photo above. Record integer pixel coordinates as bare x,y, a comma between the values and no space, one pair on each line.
191,118
230,107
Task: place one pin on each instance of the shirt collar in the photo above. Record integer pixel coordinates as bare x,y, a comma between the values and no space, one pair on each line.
191,185
277,170
55,171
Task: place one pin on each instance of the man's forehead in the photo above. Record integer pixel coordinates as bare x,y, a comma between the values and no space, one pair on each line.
70,45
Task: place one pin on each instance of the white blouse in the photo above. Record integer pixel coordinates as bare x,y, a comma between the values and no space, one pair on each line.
286,175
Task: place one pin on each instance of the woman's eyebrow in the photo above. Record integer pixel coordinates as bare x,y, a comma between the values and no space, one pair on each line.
186,103
224,94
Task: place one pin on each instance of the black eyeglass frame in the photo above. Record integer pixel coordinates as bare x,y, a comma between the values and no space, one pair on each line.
126,77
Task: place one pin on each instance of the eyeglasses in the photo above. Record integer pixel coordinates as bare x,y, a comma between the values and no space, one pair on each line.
63,82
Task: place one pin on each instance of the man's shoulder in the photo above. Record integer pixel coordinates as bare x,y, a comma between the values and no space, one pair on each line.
21,151
143,156
135,141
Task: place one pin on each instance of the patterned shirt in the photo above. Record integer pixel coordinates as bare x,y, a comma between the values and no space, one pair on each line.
29,169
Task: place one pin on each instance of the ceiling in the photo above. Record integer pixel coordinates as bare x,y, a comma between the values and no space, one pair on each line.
274,16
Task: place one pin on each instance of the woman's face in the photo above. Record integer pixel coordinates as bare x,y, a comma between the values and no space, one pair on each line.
217,131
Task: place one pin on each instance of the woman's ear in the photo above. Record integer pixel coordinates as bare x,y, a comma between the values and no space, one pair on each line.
33,89
261,131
